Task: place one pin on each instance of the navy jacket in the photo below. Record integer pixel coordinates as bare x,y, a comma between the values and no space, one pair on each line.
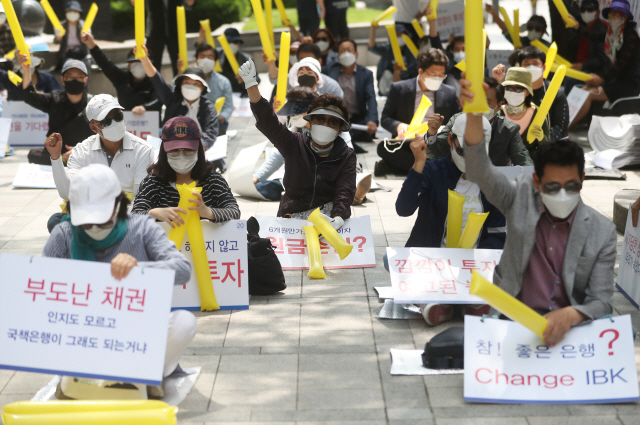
428,192
46,84
365,93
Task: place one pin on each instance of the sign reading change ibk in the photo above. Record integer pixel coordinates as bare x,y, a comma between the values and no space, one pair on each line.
504,362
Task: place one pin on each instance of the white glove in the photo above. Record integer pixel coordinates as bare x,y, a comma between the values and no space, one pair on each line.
336,222
248,74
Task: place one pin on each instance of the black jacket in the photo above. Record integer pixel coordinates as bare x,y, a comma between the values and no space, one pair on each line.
597,58
130,93
171,97
400,104
558,114
46,84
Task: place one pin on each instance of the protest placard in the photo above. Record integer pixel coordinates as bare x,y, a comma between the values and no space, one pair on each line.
504,362
5,130
218,150
29,126
226,246
287,236
73,318
575,100
438,275
450,18
628,282
241,107
147,124
34,176
240,175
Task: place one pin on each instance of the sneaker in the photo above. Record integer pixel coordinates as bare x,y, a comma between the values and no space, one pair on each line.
436,314
476,310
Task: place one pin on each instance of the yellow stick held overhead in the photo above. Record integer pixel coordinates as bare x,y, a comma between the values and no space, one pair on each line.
434,10
412,47
472,230
91,16
397,54
547,101
268,16
551,56
182,36
52,17
16,31
262,29
559,59
418,27
564,13
473,21
454,218
283,68
233,62
420,113
140,28
390,10
283,13
506,19
515,30
206,27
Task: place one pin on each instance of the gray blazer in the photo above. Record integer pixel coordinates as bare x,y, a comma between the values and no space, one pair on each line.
590,255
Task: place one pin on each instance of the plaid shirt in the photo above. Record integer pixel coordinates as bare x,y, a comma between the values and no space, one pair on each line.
6,40
542,286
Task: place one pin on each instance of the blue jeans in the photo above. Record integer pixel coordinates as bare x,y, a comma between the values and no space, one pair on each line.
270,189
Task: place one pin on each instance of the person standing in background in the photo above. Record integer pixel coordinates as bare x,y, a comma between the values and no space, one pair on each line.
336,18
408,10
70,45
309,14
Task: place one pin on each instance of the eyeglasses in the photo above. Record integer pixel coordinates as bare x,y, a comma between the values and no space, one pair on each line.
553,188
431,75
176,153
119,116
515,89
322,119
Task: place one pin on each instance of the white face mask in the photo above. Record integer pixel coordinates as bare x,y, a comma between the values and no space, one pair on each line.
190,92
182,164
347,59
432,83
589,17
616,23
458,160
98,234
298,121
73,16
115,132
561,204
323,45
323,135
137,70
234,48
3,19
536,72
534,35
514,99
293,59
489,115
206,65
459,56
401,42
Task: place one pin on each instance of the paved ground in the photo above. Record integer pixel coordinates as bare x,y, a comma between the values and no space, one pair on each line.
316,354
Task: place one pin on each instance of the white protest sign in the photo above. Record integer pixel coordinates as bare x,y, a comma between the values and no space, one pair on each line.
288,238
34,176
450,18
241,107
628,282
504,362
576,99
241,171
147,124
5,130
29,126
438,275
73,318
218,150
226,246
495,57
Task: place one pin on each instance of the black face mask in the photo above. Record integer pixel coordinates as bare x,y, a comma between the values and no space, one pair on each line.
307,81
74,87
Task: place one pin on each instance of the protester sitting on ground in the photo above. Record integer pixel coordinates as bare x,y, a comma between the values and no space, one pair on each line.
388,70
536,27
44,81
320,169
66,108
234,39
520,107
219,85
70,45
506,147
7,43
181,161
359,94
621,74
456,54
133,88
402,102
559,253
111,145
328,45
186,98
586,39
99,229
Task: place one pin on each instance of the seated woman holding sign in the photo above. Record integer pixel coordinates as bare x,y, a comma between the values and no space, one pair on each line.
99,229
181,160
320,169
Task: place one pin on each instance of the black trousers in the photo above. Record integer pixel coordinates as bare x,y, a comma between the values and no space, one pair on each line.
308,25
401,160
337,24
155,45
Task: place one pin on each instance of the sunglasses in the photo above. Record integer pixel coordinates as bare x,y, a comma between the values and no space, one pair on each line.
515,89
331,121
119,116
176,153
459,150
553,188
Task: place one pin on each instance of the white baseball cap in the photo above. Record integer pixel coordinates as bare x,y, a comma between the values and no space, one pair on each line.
92,194
310,63
460,125
99,106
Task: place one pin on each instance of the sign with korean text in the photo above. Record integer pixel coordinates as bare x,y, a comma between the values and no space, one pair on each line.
575,100
241,107
226,246
504,362
29,126
438,275
73,318
34,176
450,18
287,237
147,124
5,130
628,282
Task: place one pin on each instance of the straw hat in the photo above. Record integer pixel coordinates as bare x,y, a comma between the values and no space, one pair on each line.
519,77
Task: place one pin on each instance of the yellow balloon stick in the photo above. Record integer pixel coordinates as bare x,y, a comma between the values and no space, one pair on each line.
91,16
547,101
176,234
283,13
420,129
182,36
313,246
219,104
418,27
454,217
65,406
507,20
551,56
473,21
390,10
52,16
283,68
206,27
397,54
262,29
268,16
507,304
166,416
16,31
434,10
14,78
572,73
420,113
564,13
412,47
330,234
222,39
515,34
140,28
559,59
462,66
472,230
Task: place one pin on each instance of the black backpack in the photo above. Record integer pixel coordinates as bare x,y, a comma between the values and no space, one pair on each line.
265,271
445,350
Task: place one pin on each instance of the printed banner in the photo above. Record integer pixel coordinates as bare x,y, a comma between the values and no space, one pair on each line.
287,237
628,282
438,275
226,245
34,176
72,317
241,107
147,124
29,126
504,362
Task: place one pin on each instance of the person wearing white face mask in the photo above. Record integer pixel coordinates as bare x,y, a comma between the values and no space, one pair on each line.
536,27
219,85
7,43
70,45
327,43
585,40
44,82
320,169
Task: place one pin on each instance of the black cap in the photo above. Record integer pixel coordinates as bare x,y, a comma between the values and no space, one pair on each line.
233,35
590,3
73,5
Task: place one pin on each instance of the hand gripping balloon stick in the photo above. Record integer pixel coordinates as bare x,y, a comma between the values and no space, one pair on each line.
384,15
473,21
233,62
182,36
262,29
283,69
330,234
547,101
418,116
472,230
16,31
64,406
395,47
165,416
507,304
219,104
454,219
313,245
140,28
176,234
562,9
434,10
206,27
55,22
91,16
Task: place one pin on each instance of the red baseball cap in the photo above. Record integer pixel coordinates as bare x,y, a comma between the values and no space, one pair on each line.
180,133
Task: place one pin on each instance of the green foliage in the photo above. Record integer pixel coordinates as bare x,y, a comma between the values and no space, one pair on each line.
353,16
122,16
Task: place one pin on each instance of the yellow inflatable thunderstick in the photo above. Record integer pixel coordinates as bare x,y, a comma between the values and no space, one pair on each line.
315,260
330,234
454,219
472,230
64,406
166,416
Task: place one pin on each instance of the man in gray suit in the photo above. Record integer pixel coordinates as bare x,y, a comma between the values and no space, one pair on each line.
559,253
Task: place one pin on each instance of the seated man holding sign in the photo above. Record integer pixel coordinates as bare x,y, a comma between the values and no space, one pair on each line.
559,253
